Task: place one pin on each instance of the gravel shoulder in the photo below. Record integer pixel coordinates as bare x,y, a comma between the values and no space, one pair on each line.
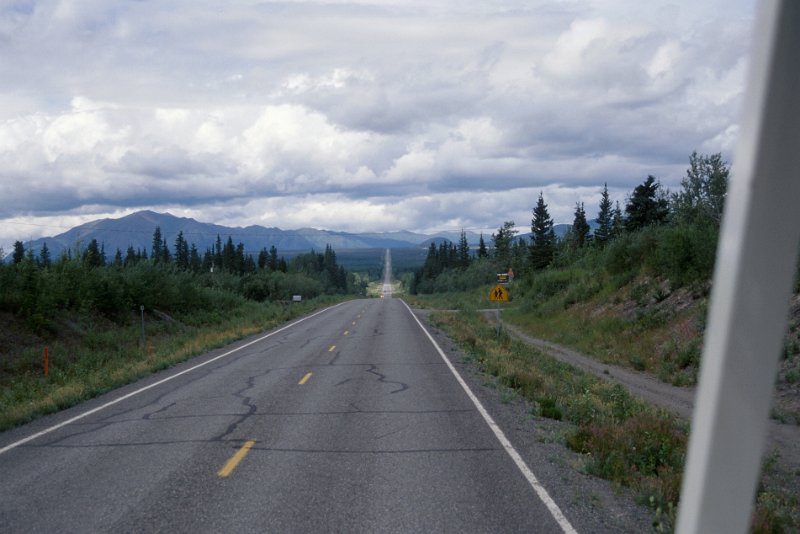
591,504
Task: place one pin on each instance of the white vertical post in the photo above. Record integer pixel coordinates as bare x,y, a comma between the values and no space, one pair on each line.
755,265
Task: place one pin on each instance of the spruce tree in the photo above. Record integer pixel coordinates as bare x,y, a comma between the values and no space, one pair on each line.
130,256
617,222
19,252
646,206
502,244
482,252
605,217
542,236
44,256
229,255
218,262
463,251
580,228
156,252
273,258
166,257
195,262
181,252
92,256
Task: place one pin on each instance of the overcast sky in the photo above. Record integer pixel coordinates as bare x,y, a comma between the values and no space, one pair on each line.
372,115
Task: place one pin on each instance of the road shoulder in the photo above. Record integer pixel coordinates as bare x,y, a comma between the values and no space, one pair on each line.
591,504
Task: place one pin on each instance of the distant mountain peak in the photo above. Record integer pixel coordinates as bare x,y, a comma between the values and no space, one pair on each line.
136,230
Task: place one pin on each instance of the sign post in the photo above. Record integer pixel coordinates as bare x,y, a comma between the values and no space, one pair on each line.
499,294
141,310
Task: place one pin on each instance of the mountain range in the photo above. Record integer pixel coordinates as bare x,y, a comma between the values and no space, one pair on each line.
136,230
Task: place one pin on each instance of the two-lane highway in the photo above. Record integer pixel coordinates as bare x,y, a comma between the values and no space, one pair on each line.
348,421
387,274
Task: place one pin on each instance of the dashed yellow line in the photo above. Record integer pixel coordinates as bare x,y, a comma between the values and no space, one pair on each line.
304,379
234,460
346,332
333,348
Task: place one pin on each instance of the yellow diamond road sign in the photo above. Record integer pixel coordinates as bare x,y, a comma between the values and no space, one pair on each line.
498,294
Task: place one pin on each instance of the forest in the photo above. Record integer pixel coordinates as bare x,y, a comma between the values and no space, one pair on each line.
670,235
35,287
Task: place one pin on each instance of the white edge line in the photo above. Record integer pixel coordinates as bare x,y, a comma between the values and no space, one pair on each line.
548,501
154,384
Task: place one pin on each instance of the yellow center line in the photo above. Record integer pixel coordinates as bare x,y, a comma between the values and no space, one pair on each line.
234,460
346,332
354,323
304,379
333,348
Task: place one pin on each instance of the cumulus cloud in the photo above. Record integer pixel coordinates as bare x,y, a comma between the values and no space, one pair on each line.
374,115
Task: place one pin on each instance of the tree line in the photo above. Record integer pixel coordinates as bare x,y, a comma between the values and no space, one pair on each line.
36,287
673,234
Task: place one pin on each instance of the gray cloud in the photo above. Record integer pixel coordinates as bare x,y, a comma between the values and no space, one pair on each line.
350,111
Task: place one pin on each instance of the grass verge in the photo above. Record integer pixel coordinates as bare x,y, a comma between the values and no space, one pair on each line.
621,439
94,356
641,326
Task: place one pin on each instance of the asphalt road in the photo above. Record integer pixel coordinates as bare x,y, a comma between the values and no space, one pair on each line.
387,274
348,421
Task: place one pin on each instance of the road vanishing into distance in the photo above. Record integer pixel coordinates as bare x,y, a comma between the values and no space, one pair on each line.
348,420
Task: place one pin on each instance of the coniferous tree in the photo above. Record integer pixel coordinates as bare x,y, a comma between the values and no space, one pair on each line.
431,267
580,228
482,252
543,238
605,219
181,252
503,240
195,262
617,222
166,256
646,206
93,257
239,259
463,251
19,252
249,264
44,256
130,256
217,260
156,252
329,264
228,255
118,258
208,260
273,258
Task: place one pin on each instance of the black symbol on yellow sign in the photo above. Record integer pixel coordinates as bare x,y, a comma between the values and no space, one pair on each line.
498,294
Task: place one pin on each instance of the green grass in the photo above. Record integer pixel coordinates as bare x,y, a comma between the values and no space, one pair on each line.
623,440
639,325
472,299
100,355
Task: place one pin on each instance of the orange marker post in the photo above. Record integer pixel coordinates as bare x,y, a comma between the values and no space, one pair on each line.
46,361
